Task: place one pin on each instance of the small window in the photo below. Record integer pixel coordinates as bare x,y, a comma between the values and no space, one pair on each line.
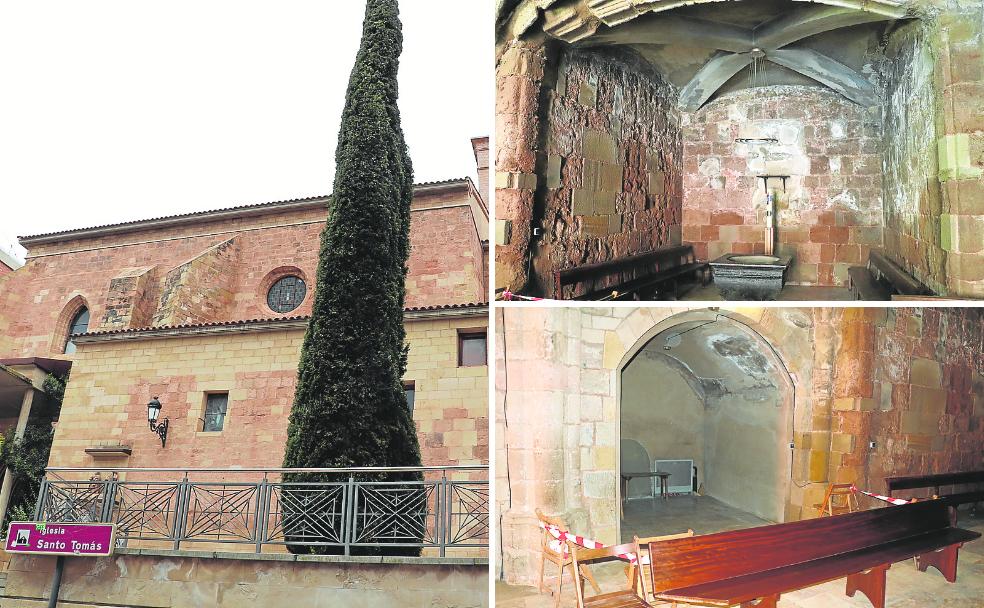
286,294
472,350
215,412
410,390
79,325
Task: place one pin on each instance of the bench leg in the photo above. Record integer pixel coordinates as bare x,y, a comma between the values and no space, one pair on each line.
944,560
771,601
871,583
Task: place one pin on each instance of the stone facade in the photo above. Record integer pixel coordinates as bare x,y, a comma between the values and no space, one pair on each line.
908,380
192,579
115,374
829,210
178,309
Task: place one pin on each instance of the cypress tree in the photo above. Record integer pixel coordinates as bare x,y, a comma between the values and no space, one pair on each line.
350,407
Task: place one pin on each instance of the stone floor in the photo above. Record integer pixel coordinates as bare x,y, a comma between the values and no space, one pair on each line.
789,293
907,587
656,517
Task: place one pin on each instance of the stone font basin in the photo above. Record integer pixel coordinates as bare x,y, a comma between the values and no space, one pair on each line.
750,277
754,259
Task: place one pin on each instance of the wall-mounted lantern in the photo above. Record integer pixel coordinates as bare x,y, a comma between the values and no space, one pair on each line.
153,414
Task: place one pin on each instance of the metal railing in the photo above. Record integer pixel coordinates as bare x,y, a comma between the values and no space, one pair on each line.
446,509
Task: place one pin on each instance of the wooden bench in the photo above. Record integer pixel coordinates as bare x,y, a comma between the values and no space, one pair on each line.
755,566
639,277
942,480
881,279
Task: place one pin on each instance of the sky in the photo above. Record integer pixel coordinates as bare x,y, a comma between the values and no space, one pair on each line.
120,110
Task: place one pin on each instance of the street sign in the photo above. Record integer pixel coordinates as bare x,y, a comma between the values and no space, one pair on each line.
52,538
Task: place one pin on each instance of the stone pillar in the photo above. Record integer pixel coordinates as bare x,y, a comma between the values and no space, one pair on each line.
534,393
854,396
960,78
519,78
8,476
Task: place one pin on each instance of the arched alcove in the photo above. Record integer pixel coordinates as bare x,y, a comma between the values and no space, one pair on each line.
707,387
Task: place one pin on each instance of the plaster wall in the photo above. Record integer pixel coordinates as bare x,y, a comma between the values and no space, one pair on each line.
742,455
660,410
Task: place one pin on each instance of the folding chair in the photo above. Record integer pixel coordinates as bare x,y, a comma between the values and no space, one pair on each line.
627,598
643,542
555,551
840,499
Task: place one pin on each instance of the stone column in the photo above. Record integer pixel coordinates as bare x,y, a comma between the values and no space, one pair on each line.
854,396
519,78
534,392
8,475
960,78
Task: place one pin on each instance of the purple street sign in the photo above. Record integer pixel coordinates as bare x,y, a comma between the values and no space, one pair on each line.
92,540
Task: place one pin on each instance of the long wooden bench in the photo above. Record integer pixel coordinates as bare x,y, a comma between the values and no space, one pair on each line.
639,277
943,480
881,279
755,566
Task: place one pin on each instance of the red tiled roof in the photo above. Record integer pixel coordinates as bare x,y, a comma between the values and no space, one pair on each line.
263,320
461,180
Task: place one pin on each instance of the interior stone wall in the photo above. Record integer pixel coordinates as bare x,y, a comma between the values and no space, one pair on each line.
913,192
829,216
611,182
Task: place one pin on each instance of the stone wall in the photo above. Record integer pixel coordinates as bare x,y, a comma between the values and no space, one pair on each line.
190,579
112,381
830,214
959,78
913,193
190,273
613,164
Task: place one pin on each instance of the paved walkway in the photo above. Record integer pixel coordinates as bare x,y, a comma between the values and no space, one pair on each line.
907,587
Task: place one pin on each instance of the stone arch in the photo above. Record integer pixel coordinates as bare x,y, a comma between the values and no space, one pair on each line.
60,336
642,325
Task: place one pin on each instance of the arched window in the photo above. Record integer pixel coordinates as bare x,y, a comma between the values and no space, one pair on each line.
79,325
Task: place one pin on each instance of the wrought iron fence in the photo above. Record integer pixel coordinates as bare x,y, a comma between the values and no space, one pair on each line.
447,508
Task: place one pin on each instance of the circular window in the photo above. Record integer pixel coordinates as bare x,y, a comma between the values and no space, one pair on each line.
286,294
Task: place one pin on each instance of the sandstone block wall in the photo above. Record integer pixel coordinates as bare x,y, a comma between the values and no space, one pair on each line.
105,403
612,173
830,214
194,579
220,270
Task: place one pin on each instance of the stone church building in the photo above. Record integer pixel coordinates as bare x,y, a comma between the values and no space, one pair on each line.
206,311
629,126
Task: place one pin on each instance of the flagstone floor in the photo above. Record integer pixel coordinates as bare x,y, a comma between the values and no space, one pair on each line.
907,587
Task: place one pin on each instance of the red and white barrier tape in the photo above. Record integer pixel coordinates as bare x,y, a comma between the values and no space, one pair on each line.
888,499
508,296
563,536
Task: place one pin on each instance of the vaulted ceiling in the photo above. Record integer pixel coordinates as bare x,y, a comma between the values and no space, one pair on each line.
710,47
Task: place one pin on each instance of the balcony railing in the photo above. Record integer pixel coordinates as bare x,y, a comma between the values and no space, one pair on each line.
448,510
